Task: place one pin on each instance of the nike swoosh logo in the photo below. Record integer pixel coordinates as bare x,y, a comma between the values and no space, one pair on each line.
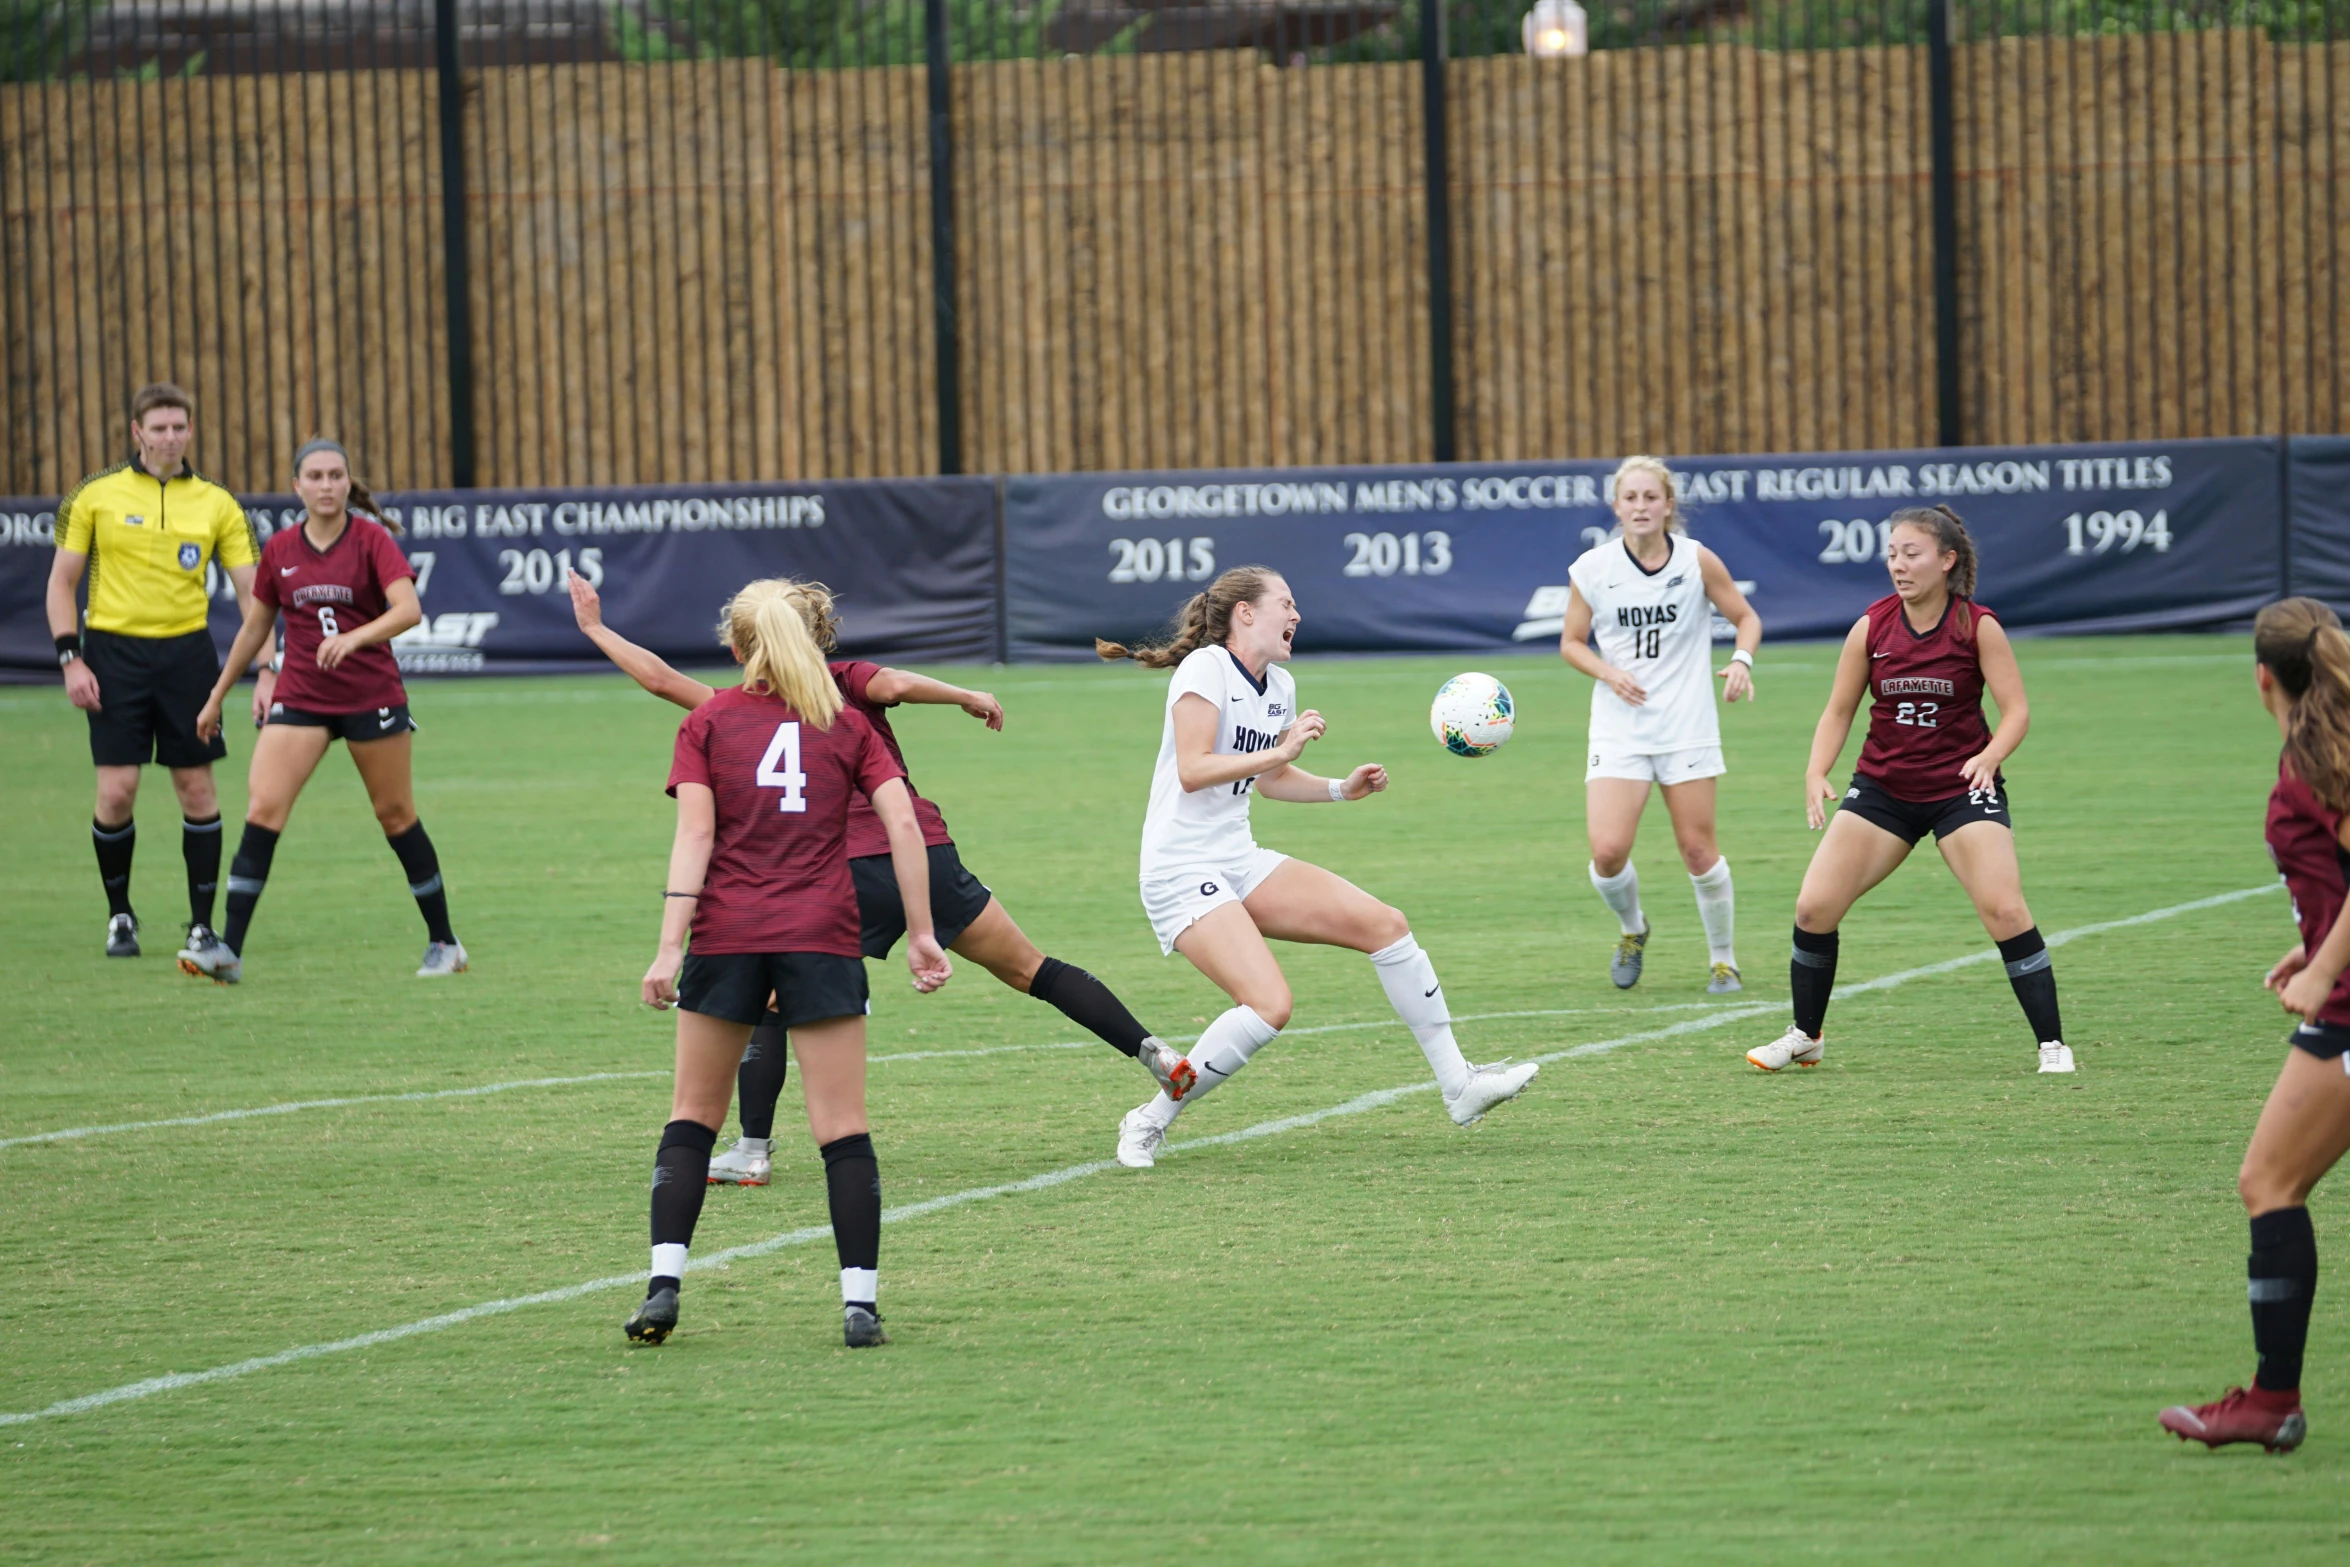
1879,655
287,571
1207,1068
1240,699
1430,991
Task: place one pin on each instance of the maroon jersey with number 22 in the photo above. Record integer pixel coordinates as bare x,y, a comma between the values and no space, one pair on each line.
779,867
1927,691
2304,839
322,594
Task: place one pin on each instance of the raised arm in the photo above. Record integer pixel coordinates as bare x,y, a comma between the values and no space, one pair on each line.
1835,726
646,669
1737,676
2006,679
891,686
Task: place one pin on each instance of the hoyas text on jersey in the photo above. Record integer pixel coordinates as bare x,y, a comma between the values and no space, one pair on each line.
1632,615
1245,742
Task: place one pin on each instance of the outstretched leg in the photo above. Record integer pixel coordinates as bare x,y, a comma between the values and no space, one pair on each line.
996,943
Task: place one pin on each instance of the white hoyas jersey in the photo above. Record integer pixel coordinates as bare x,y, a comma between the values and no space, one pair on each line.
1657,627
1209,827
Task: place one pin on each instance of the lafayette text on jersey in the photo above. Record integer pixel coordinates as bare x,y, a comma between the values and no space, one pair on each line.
1209,827
148,543
779,868
867,837
2304,839
1657,627
1927,687
325,593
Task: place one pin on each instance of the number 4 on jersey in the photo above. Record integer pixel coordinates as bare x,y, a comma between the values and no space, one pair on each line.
785,748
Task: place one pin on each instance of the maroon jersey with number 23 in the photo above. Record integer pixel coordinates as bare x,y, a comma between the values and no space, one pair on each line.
1927,691
322,594
2304,839
779,866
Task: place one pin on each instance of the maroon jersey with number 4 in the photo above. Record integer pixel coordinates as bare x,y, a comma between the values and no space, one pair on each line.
2304,838
324,593
866,834
779,867
1927,691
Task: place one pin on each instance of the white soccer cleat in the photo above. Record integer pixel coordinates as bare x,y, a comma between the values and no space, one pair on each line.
206,956
741,1166
443,957
1793,1048
1489,1086
2056,1056
1139,1138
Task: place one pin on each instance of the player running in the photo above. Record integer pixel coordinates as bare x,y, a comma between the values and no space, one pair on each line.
1647,594
1924,654
1233,731
2303,675
967,917
764,776
346,591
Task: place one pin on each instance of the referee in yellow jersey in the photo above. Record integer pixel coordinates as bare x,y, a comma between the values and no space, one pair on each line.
145,531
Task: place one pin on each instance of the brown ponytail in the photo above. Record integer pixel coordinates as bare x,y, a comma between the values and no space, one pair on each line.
2300,641
1204,621
361,500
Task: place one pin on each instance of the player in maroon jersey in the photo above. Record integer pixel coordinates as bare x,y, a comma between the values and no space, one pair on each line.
1924,655
764,775
969,919
345,591
2303,675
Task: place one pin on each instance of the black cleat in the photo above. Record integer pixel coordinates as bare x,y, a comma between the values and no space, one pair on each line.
655,1317
122,936
861,1329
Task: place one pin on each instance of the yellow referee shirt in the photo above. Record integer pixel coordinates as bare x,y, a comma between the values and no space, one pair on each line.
148,541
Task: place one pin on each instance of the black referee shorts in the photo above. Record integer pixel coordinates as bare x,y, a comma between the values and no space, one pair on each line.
150,690
808,986
956,899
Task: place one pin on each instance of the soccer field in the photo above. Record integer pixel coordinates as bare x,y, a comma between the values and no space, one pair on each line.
1918,1305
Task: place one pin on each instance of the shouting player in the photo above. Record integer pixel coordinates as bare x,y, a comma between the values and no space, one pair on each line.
764,775
2303,674
345,591
1924,654
1647,594
968,918
1233,731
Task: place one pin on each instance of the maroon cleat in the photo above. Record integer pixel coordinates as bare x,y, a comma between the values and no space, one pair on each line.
2274,1420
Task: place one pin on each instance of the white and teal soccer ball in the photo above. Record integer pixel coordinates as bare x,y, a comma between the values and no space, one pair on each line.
1473,715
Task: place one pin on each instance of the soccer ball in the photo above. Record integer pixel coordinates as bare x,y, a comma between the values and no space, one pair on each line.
1472,715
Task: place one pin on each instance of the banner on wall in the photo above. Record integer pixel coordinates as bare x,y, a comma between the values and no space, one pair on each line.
912,563
2318,518
1470,556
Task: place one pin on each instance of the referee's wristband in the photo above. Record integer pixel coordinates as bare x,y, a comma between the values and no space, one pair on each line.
69,648
1741,656
1338,790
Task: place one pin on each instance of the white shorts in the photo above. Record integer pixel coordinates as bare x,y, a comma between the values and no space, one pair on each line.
1179,897
1686,765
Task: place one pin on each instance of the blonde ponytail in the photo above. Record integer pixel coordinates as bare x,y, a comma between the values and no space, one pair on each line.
2301,642
766,624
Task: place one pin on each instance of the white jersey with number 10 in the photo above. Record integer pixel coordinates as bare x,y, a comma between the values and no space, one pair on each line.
1657,627
1184,829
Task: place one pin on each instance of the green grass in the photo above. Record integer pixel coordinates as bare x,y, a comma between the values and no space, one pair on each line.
1919,1305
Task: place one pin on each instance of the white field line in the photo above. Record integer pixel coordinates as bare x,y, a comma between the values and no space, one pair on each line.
1357,1106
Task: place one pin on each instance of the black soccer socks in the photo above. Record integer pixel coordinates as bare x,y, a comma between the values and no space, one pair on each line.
424,880
2283,1284
681,1177
114,846
852,1185
2029,971
1089,1004
758,1082
248,873
1811,978
200,847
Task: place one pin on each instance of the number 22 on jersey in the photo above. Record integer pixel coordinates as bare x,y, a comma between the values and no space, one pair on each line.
780,768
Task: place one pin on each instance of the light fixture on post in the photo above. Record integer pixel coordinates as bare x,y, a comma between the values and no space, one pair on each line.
1556,30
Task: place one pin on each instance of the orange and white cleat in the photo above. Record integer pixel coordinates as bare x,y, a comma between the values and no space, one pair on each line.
1793,1048
1169,1066
2274,1420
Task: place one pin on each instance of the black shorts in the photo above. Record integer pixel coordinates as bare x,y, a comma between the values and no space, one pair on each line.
1910,820
809,986
956,899
150,690
373,723
2326,1041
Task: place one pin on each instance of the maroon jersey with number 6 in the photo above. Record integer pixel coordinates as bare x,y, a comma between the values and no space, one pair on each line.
866,834
2304,838
324,593
1927,691
779,867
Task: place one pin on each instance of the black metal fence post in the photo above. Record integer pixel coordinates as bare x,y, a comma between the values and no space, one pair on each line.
1437,175
1942,139
455,273
942,238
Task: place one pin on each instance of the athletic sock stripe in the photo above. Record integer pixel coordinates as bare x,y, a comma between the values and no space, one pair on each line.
425,889
2031,965
210,826
116,836
249,884
1811,959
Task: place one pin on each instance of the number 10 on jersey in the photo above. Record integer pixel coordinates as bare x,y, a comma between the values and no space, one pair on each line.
780,768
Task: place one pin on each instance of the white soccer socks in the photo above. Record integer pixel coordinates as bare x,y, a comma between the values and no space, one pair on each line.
1716,908
1410,982
1621,892
1221,1051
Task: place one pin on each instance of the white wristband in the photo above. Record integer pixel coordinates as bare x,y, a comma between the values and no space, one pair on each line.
1741,656
1338,790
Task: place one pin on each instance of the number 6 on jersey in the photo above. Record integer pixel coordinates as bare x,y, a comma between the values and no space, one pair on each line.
785,747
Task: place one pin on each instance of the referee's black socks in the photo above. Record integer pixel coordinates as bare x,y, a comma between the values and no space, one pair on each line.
200,847
424,879
1088,1003
114,845
2029,971
248,873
